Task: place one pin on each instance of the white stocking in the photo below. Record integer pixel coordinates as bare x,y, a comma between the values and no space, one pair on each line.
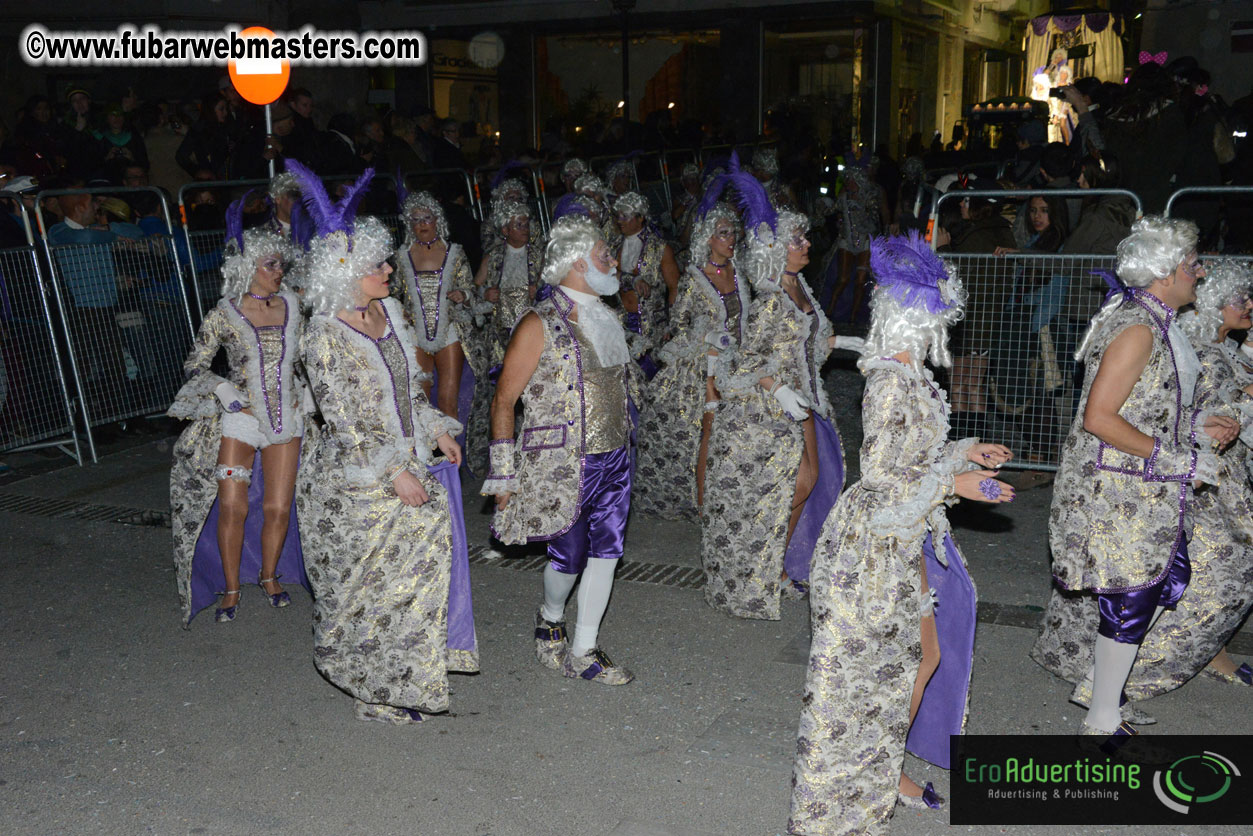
557,586
593,597
1113,661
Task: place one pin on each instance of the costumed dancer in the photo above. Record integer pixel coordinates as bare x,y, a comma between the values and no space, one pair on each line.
774,465
228,519
648,270
863,211
1119,524
507,282
569,479
572,170
503,190
385,550
439,294
1190,638
679,401
766,170
589,185
889,584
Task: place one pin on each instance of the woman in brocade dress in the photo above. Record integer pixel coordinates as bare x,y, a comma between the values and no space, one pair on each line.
774,465
439,292
884,548
245,424
707,320
385,550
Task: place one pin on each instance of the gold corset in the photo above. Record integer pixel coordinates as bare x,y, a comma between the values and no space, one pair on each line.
398,370
604,401
428,283
731,301
270,346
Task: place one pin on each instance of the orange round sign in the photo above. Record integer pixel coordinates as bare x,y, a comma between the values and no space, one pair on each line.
259,80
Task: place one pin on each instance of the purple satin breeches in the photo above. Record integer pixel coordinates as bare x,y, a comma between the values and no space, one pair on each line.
1125,616
601,526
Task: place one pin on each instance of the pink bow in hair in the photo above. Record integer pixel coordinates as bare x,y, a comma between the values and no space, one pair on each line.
1148,57
1202,89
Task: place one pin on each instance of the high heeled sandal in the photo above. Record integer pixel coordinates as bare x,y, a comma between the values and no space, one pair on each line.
280,599
1242,675
224,614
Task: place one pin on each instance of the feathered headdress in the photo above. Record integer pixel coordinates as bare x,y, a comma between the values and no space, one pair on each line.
752,198
571,203
401,192
504,170
908,269
330,217
235,220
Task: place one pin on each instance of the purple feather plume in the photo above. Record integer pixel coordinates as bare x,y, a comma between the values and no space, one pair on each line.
301,226
569,205
752,198
347,206
402,194
313,193
504,169
906,267
235,221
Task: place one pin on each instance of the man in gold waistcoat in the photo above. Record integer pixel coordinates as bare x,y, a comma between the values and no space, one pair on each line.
566,478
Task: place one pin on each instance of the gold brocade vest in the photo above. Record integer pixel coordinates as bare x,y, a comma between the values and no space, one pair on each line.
567,416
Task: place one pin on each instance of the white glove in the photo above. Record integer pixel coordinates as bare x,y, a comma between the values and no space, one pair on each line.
855,344
711,365
793,403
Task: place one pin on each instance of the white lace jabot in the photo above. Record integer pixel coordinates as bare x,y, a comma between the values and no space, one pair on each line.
601,326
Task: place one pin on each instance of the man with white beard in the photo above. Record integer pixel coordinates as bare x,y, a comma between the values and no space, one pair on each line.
569,479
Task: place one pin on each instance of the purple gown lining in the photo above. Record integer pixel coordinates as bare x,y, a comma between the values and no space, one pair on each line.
207,578
800,550
943,705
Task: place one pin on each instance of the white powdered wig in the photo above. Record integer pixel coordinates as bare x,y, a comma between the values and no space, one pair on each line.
767,250
570,239
766,160
590,184
1153,250
1225,283
895,328
633,203
427,201
504,211
574,167
1155,247
238,267
507,188
622,168
284,183
691,171
704,229
335,265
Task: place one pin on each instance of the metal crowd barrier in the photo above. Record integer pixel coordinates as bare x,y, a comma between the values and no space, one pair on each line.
203,252
1022,195
125,312
1190,191
36,409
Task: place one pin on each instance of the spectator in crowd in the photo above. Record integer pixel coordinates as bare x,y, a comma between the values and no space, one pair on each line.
84,153
122,142
338,148
38,140
1148,134
404,151
446,149
302,142
428,132
1056,166
208,145
164,131
83,251
1024,169
372,143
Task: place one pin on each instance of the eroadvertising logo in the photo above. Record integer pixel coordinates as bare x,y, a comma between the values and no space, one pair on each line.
1194,779
1048,779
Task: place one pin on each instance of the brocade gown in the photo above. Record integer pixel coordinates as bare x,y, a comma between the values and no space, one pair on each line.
865,611
392,609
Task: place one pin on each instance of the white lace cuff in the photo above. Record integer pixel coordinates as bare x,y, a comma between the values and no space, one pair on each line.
953,459
433,423
502,468
197,398
855,344
1207,466
383,464
907,521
